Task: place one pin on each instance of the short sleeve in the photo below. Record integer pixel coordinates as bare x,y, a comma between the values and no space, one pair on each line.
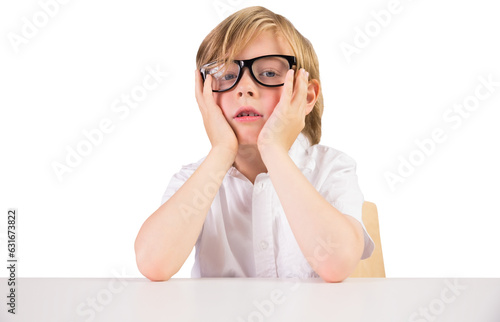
341,189
179,179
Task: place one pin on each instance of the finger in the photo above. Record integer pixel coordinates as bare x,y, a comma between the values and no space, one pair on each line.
207,92
286,95
300,86
207,87
198,89
300,91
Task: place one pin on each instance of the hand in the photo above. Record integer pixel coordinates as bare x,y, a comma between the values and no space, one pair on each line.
288,117
218,129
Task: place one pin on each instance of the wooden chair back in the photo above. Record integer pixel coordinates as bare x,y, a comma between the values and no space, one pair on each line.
373,266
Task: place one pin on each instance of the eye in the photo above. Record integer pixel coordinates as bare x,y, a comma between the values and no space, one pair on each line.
228,77
268,73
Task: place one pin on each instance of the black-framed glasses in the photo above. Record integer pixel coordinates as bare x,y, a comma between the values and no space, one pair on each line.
269,70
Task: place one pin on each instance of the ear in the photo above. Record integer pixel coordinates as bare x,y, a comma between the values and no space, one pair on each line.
313,89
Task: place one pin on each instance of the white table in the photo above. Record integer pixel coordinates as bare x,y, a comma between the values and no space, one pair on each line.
253,299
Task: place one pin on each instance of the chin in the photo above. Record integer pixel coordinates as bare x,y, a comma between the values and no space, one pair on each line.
248,138
247,141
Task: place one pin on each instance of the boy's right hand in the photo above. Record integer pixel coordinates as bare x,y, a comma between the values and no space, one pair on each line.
219,132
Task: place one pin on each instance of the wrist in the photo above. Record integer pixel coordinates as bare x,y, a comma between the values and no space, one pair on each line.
269,152
227,155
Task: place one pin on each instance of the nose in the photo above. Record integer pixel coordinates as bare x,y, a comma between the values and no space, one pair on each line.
246,85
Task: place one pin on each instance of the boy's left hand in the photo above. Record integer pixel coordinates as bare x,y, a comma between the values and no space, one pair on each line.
288,117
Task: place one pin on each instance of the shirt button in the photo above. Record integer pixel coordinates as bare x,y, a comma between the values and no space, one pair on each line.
263,244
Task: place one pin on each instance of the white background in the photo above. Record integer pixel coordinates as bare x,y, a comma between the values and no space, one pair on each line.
441,221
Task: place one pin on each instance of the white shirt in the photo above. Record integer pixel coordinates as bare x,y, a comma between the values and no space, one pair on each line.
246,232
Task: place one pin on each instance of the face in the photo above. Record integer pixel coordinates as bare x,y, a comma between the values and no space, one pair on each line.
248,93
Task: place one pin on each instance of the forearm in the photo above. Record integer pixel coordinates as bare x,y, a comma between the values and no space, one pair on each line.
331,241
168,236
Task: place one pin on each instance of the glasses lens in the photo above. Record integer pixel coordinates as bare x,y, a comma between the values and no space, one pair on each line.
271,70
223,75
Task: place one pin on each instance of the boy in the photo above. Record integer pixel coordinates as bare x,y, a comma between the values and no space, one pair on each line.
267,201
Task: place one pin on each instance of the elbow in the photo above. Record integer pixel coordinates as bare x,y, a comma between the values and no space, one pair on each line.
339,269
333,280
152,269
153,273
334,270
333,276
155,277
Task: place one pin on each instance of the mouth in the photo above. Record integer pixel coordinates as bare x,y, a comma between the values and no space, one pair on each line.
247,113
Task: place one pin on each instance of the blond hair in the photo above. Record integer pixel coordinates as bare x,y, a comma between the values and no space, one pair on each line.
229,38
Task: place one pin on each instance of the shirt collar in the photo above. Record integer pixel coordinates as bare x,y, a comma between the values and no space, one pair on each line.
299,153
